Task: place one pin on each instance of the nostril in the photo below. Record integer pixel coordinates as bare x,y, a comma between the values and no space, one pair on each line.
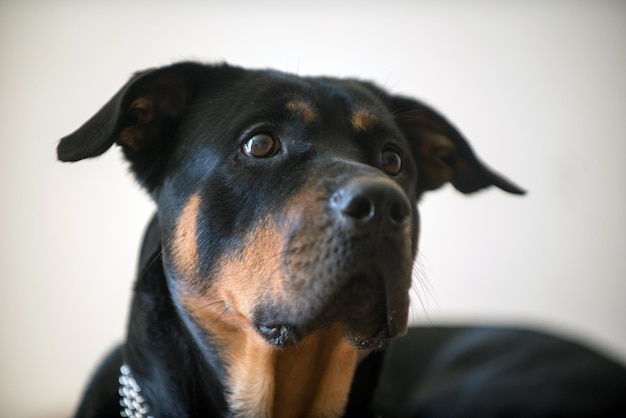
358,207
378,203
399,213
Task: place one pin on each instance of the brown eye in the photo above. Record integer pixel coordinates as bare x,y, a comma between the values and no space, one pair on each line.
391,162
261,145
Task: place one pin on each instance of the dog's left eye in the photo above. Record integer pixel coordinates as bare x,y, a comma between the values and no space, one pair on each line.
261,145
391,162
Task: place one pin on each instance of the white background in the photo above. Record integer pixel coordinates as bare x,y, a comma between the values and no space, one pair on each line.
539,88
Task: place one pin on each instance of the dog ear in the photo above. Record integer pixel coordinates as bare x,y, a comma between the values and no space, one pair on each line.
442,153
141,117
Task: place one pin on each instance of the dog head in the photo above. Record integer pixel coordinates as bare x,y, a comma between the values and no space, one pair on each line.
286,204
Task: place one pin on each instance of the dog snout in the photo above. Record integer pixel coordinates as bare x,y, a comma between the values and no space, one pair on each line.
372,202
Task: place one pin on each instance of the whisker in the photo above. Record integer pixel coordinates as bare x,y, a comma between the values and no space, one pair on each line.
153,259
421,275
174,318
220,315
386,85
422,289
206,305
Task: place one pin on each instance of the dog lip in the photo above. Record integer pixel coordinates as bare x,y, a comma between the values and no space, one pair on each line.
280,335
361,303
397,304
371,310
375,341
397,321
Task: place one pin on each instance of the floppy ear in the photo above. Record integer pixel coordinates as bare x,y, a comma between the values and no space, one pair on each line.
141,117
443,155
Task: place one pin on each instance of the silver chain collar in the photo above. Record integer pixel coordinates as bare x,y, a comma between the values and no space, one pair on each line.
132,403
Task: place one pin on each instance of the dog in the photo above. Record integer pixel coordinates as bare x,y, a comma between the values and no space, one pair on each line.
279,261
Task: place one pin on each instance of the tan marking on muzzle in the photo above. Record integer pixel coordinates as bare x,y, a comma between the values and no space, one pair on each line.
224,311
185,245
308,380
252,271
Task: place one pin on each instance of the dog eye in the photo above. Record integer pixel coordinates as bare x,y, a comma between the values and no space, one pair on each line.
261,145
391,162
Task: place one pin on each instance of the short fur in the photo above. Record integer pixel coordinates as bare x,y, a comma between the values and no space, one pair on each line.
279,261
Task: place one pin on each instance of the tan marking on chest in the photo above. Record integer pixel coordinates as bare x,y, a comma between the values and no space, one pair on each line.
363,120
248,359
223,310
311,379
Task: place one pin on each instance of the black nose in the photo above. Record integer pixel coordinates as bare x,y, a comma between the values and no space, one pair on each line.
379,202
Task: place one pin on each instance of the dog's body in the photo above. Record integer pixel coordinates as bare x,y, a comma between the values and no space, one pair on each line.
279,261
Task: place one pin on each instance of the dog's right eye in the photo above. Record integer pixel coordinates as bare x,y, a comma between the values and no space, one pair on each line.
261,145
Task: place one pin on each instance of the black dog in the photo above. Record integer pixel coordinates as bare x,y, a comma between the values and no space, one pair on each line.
281,253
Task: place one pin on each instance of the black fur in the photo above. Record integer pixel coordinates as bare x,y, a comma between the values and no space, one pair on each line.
182,129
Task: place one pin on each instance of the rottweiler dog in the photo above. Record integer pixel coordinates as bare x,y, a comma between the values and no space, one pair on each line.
279,262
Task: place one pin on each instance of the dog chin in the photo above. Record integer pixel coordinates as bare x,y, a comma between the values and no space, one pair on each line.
285,335
366,326
371,309
373,333
368,341
368,308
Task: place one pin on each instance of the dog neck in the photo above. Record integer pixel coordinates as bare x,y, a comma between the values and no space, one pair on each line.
228,364
314,379
310,379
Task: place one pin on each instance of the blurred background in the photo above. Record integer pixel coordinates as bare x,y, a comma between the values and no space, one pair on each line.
539,89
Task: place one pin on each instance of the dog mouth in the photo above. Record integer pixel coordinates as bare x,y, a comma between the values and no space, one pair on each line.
370,311
345,259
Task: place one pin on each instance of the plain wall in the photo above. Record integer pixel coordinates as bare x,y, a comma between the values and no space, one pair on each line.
539,89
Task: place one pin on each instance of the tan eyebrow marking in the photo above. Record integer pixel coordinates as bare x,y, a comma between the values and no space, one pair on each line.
302,109
363,120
